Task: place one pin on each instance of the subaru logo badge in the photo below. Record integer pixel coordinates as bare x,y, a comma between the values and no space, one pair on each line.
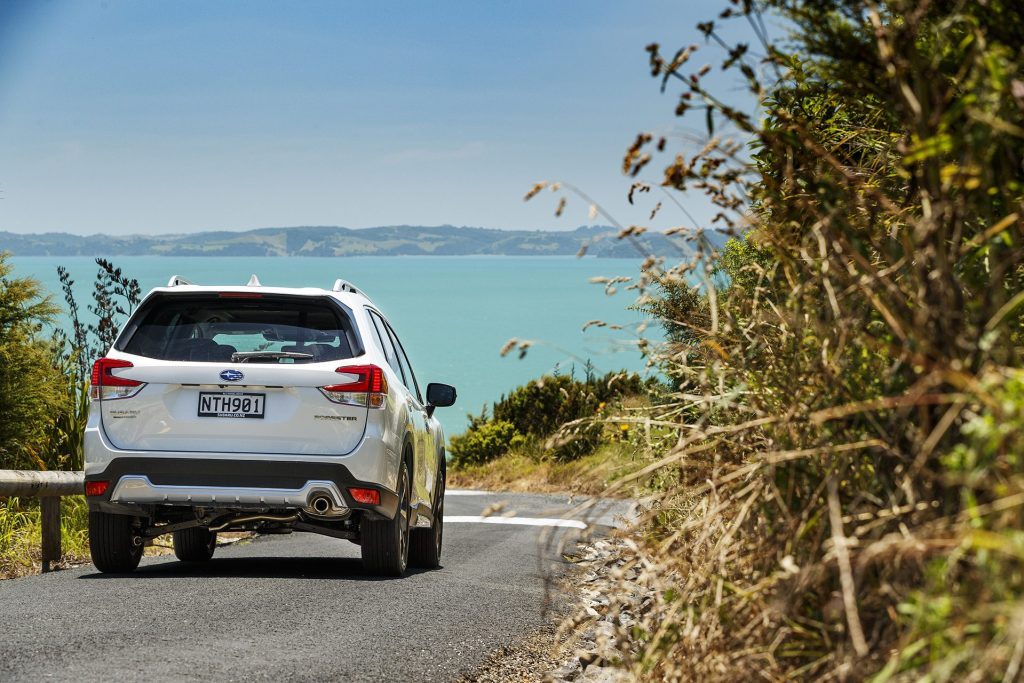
231,375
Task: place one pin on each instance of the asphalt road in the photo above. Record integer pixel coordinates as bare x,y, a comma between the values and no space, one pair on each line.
298,607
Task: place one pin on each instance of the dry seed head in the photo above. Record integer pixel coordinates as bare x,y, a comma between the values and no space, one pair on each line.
535,190
509,345
493,509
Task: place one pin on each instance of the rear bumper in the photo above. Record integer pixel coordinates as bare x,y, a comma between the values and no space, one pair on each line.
244,481
140,489
230,484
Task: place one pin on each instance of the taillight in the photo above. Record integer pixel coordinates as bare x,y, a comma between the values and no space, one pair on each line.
370,388
365,496
96,488
107,386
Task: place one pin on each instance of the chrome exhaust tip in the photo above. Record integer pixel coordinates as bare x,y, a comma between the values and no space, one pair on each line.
321,505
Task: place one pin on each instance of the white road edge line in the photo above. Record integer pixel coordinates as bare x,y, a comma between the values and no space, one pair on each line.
465,492
521,521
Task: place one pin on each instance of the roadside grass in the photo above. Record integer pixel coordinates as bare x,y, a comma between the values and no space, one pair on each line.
531,469
21,535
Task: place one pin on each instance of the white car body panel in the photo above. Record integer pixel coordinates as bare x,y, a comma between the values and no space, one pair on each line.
298,419
300,425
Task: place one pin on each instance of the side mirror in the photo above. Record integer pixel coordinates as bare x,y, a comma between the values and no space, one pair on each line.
439,396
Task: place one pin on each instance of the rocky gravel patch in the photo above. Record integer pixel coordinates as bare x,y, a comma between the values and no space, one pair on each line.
586,643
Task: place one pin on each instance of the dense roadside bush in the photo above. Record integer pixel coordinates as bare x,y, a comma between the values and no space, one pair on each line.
44,384
847,498
485,441
30,385
562,412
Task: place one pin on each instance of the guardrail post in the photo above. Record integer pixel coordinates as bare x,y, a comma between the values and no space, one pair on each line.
49,508
48,487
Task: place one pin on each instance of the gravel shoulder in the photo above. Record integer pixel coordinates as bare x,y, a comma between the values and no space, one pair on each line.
579,643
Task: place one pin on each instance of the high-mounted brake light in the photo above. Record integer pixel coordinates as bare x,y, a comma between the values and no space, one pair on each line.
240,295
108,386
369,388
96,488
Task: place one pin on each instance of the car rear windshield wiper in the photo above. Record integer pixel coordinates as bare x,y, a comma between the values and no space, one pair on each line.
246,356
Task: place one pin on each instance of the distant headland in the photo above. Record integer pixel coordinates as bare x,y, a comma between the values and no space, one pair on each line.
398,240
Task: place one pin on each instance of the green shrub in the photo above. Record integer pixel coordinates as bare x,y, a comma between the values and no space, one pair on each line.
577,440
541,407
539,412
44,381
29,399
484,442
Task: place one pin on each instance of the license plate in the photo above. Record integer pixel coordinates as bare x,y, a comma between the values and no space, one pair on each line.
234,404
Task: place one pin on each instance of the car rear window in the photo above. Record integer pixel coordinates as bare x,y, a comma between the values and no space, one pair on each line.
217,328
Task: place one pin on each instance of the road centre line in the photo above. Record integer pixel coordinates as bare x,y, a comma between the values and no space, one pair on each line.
520,521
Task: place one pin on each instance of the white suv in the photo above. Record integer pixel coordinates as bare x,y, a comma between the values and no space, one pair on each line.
268,409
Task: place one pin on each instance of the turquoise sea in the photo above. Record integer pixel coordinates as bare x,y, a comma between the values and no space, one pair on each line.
453,314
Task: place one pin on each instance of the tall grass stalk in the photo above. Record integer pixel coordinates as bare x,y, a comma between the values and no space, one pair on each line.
846,498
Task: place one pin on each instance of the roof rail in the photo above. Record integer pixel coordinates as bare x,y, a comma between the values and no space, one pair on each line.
345,286
178,280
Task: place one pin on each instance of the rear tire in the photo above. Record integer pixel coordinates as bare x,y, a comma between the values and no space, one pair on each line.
425,544
385,542
114,542
195,544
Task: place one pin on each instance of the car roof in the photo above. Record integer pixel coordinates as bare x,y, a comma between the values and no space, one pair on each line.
342,290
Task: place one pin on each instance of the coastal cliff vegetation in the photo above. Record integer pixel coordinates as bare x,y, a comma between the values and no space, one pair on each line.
837,492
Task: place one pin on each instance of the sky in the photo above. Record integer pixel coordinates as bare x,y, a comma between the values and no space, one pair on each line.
173,117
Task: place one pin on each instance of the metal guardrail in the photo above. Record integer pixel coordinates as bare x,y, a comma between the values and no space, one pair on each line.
49,487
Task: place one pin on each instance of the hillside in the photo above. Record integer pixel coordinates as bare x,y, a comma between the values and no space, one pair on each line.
444,240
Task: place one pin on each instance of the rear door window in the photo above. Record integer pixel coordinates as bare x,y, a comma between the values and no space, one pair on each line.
386,345
216,327
410,382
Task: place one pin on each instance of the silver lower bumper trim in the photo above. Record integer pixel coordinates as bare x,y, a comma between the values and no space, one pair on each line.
139,489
